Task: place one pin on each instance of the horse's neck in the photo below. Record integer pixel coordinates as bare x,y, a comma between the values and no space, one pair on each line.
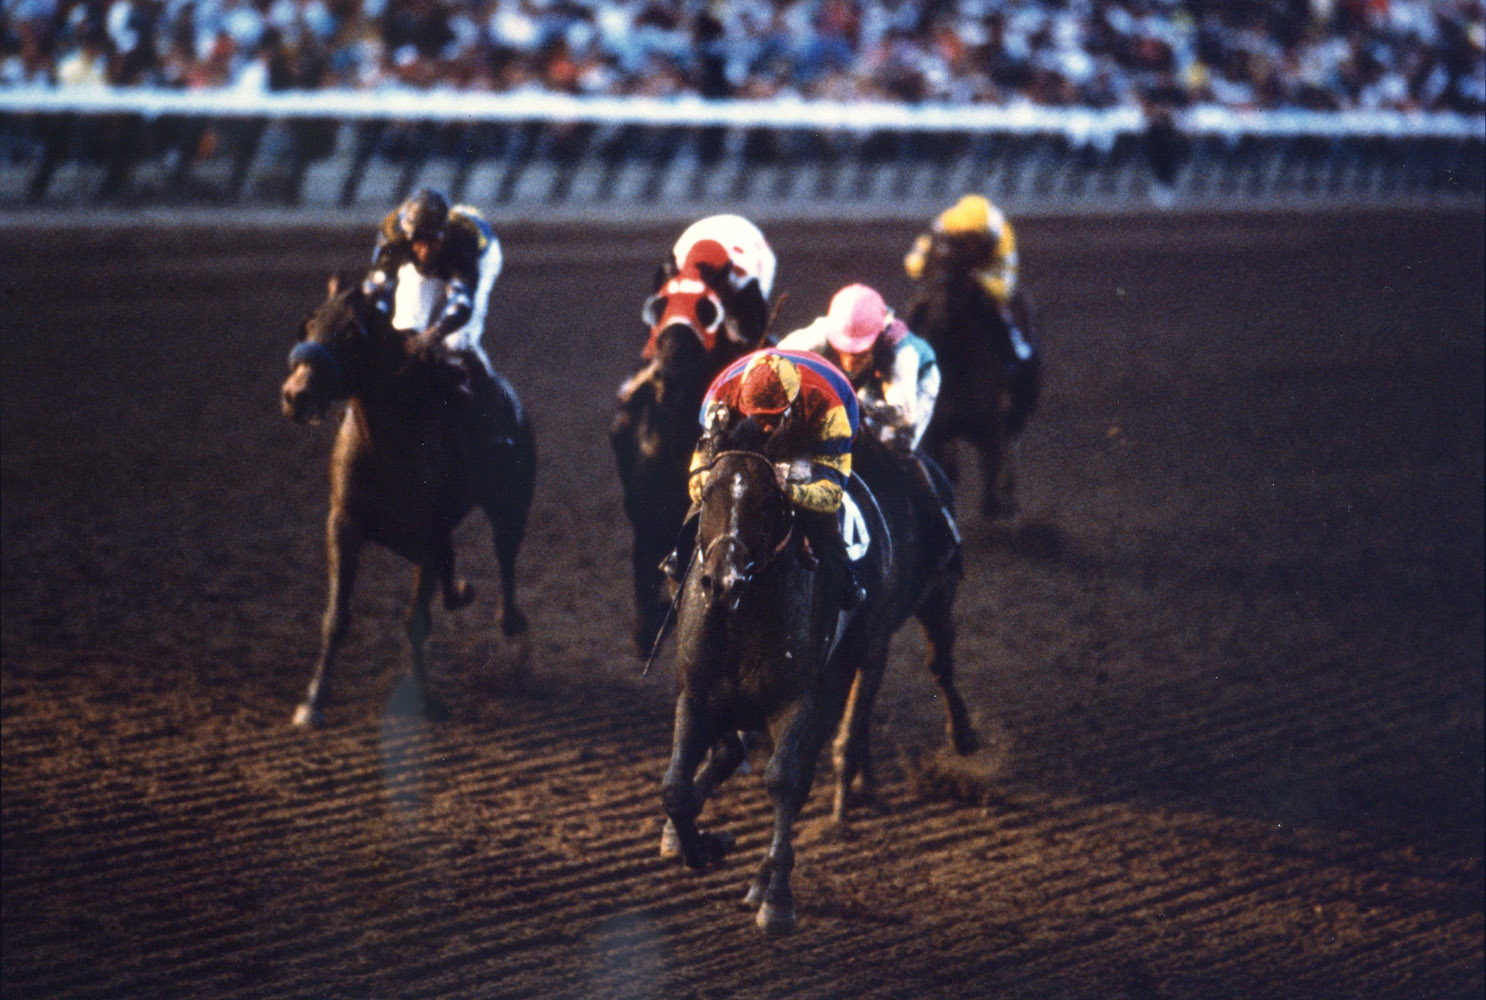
393,390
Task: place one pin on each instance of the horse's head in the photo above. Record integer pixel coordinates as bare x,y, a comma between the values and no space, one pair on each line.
746,520
691,303
324,364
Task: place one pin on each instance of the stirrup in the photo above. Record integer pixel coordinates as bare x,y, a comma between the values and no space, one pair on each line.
853,593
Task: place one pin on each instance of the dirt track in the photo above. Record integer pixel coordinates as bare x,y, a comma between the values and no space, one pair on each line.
1230,659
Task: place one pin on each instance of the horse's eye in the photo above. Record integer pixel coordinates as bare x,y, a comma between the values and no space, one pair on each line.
653,309
709,313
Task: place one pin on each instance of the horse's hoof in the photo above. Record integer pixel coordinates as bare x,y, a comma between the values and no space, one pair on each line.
713,848
670,841
753,898
308,717
513,623
966,742
460,597
773,919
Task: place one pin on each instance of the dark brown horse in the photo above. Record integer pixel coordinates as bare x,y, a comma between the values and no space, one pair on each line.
976,401
421,444
763,647
692,338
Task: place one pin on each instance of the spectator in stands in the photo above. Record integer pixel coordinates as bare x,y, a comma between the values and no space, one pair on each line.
1347,54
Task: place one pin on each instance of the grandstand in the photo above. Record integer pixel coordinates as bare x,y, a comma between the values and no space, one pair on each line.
876,105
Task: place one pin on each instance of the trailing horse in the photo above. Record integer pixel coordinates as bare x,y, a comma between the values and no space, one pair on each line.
692,338
976,402
421,444
763,647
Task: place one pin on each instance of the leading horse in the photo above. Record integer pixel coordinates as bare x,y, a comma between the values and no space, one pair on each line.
421,444
692,337
976,402
764,647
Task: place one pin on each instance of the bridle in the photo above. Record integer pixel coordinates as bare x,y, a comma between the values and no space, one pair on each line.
321,358
756,562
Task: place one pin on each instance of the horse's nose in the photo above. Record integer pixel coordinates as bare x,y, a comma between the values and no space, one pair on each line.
294,397
719,586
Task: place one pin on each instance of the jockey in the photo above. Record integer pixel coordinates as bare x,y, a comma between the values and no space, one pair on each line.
433,268
891,368
806,414
992,242
888,365
747,279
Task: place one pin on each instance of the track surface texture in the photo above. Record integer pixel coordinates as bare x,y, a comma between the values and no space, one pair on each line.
1228,660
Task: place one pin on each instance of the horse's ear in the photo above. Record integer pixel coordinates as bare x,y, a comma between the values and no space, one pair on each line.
333,286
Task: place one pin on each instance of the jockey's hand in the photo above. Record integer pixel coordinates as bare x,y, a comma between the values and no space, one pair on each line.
426,346
781,475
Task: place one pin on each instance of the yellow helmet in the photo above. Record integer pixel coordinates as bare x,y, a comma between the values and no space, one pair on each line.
971,214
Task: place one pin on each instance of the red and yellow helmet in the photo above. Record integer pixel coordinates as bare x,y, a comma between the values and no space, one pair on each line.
771,382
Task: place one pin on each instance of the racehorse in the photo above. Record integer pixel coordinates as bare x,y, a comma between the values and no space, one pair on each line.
422,442
692,338
763,647
959,319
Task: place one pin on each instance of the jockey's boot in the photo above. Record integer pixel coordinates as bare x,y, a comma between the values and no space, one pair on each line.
675,563
1023,375
824,535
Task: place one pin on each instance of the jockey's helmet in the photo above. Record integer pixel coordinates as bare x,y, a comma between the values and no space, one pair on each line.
770,384
856,317
971,214
708,253
424,215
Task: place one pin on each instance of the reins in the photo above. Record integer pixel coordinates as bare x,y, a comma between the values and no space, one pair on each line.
754,564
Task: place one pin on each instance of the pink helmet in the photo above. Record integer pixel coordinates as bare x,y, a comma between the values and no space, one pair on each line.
856,317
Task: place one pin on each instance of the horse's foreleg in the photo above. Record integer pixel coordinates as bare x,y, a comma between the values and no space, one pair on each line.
457,593
343,553
797,745
680,796
419,623
937,618
650,605
998,494
852,751
508,532
725,757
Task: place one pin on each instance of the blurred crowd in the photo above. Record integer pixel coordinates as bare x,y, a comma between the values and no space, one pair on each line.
1310,54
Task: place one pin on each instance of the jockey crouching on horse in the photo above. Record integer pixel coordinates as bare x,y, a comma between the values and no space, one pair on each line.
989,243
800,412
896,378
433,269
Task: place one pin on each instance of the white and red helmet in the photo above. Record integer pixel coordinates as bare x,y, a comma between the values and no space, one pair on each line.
747,250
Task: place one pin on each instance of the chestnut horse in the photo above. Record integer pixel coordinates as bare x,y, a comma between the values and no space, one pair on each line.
422,442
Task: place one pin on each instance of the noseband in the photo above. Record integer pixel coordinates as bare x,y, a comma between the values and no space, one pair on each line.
316,355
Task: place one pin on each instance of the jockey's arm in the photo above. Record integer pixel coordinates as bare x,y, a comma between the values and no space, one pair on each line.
913,263
999,277
830,465
381,281
459,306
